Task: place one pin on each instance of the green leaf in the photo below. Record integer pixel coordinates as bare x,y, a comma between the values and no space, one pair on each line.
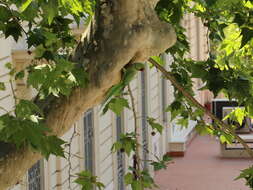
113,91
226,138
87,181
139,66
166,158
247,35
20,75
238,114
210,2
2,126
39,51
34,118
183,122
100,185
198,70
118,105
203,129
74,6
13,29
31,12
128,147
116,146
64,65
52,145
158,165
154,125
175,108
127,143
8,65
137,185
158,59
50,10
129,74
117,89
25,5
128,178
26,108
81,77
247,174
38,76
5,14
2,86
161,164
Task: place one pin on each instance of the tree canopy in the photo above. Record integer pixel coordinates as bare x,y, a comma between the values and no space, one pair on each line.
120,37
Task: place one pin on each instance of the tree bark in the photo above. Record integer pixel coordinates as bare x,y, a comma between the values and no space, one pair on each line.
126,31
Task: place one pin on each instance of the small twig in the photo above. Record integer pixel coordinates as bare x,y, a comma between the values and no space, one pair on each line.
74,155
13,92
136,157
69,156
151,153
225,127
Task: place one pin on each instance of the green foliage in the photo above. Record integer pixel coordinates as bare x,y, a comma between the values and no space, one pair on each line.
26,128
13,29
143,181
25,5
247,174
226,138
30,132
161,164
56,79
204,129
238,114
171,11
155,126
117,105
88,181
20,75
25,109
158,59
183,122
127,143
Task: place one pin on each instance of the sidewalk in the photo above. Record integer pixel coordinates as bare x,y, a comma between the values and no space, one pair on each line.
202,169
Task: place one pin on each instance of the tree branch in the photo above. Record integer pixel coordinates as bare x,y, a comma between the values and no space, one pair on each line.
127,31
225,127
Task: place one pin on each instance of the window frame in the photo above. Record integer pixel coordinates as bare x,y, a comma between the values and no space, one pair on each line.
39,164
88,149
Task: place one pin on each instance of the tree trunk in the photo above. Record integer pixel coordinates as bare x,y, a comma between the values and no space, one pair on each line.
126,31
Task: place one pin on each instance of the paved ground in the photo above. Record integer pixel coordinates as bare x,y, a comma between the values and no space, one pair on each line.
202,169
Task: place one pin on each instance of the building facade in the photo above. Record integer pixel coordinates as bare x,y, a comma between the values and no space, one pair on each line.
91,138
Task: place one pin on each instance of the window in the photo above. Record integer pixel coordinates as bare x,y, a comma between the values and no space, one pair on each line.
35,181
144,118
120,155
88,140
